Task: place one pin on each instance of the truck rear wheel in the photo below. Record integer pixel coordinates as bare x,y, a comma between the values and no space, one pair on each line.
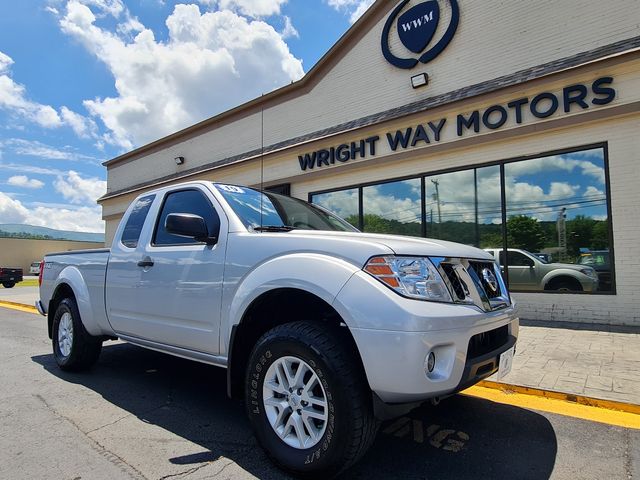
308,401
73,348
8,284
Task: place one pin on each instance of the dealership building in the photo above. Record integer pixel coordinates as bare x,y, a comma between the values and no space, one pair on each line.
511,126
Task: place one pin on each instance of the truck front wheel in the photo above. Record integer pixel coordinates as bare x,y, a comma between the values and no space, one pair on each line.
308,401
73,348
8,284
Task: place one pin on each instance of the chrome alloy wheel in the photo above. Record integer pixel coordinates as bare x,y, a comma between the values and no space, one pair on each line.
65,334
295,402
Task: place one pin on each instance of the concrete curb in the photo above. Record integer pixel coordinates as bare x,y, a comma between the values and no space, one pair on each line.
567,397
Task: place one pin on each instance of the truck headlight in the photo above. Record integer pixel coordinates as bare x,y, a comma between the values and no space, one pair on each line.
589,272
414,277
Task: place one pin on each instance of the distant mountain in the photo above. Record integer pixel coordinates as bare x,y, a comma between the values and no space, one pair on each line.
30,231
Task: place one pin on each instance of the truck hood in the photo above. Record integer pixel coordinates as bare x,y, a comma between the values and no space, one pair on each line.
401,245
567,266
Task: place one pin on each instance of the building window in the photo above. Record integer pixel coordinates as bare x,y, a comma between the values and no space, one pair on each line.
556,208
548,214
344,203
393,208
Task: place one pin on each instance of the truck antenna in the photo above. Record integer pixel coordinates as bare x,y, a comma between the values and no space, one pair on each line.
261,159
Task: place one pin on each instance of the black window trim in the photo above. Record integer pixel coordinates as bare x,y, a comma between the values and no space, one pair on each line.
157,223
604,145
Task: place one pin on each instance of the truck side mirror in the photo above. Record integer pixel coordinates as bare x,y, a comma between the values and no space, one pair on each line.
189,225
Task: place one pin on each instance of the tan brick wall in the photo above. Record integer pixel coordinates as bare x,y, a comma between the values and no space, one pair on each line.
20,252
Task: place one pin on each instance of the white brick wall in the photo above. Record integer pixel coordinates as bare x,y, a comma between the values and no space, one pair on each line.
494,38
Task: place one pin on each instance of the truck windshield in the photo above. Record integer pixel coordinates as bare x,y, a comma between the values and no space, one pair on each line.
279,212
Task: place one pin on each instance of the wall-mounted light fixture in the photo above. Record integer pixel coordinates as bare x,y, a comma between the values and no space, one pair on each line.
179,160
420,80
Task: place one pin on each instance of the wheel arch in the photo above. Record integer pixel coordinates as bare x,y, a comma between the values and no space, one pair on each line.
62,291
552,279
71,282
263,315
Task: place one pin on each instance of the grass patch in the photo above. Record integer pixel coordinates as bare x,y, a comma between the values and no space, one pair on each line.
30,282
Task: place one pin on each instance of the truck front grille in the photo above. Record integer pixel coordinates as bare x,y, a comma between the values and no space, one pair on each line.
476,282
486,342
454,281
478,268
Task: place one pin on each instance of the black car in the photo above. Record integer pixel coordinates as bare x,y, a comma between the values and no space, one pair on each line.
10,276
599,261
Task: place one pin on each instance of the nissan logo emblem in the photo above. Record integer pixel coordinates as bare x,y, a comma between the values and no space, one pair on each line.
490,279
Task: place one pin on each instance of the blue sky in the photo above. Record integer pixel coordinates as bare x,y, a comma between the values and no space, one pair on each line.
82,81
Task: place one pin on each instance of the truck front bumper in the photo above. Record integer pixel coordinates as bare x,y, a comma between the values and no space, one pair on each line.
396,363
395,337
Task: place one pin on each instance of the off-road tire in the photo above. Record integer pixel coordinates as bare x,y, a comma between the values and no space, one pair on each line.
85,349
351,426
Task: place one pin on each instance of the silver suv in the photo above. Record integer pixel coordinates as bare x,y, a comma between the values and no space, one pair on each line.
528,272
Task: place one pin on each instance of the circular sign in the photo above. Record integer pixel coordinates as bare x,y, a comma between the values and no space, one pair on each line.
416,28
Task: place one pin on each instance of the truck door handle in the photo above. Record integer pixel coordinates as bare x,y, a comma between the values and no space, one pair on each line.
145,262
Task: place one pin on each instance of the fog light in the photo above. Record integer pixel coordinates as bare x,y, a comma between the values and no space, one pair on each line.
431,362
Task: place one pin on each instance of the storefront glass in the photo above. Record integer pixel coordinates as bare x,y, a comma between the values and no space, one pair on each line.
553,215
393,208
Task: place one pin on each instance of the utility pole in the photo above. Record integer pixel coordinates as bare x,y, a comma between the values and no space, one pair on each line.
436,197
562,234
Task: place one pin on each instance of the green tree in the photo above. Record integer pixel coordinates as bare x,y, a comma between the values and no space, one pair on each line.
525,232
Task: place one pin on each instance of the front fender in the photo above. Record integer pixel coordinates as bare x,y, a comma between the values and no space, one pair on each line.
71,276
560,272
318,274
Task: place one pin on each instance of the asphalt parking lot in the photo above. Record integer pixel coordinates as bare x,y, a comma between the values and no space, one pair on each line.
141,414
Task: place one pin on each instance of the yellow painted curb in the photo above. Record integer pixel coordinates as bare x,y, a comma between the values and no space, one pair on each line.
557,406
567,397
21,307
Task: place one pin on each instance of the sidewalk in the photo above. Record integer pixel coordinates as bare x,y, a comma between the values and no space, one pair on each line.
583,360
573,359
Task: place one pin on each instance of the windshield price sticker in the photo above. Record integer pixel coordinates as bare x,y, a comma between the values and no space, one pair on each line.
231,188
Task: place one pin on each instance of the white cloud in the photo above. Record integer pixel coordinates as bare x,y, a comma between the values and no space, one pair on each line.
251,8
211,62
82,126
34,148
18,167
354,8
13,98
83,219
289,30
78,190
25,182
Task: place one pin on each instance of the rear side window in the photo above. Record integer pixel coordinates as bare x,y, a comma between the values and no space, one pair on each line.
186,201
138,215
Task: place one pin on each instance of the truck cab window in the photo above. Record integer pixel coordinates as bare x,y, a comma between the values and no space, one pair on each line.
137,217
185,201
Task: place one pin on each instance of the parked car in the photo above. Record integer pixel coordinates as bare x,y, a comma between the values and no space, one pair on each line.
324,330
600,262
10,276
34,268
528,272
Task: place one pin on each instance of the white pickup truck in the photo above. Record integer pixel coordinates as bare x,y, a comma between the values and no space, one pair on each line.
323,330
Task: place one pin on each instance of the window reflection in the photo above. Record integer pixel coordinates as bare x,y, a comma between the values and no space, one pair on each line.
343,203
557,210
393,208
